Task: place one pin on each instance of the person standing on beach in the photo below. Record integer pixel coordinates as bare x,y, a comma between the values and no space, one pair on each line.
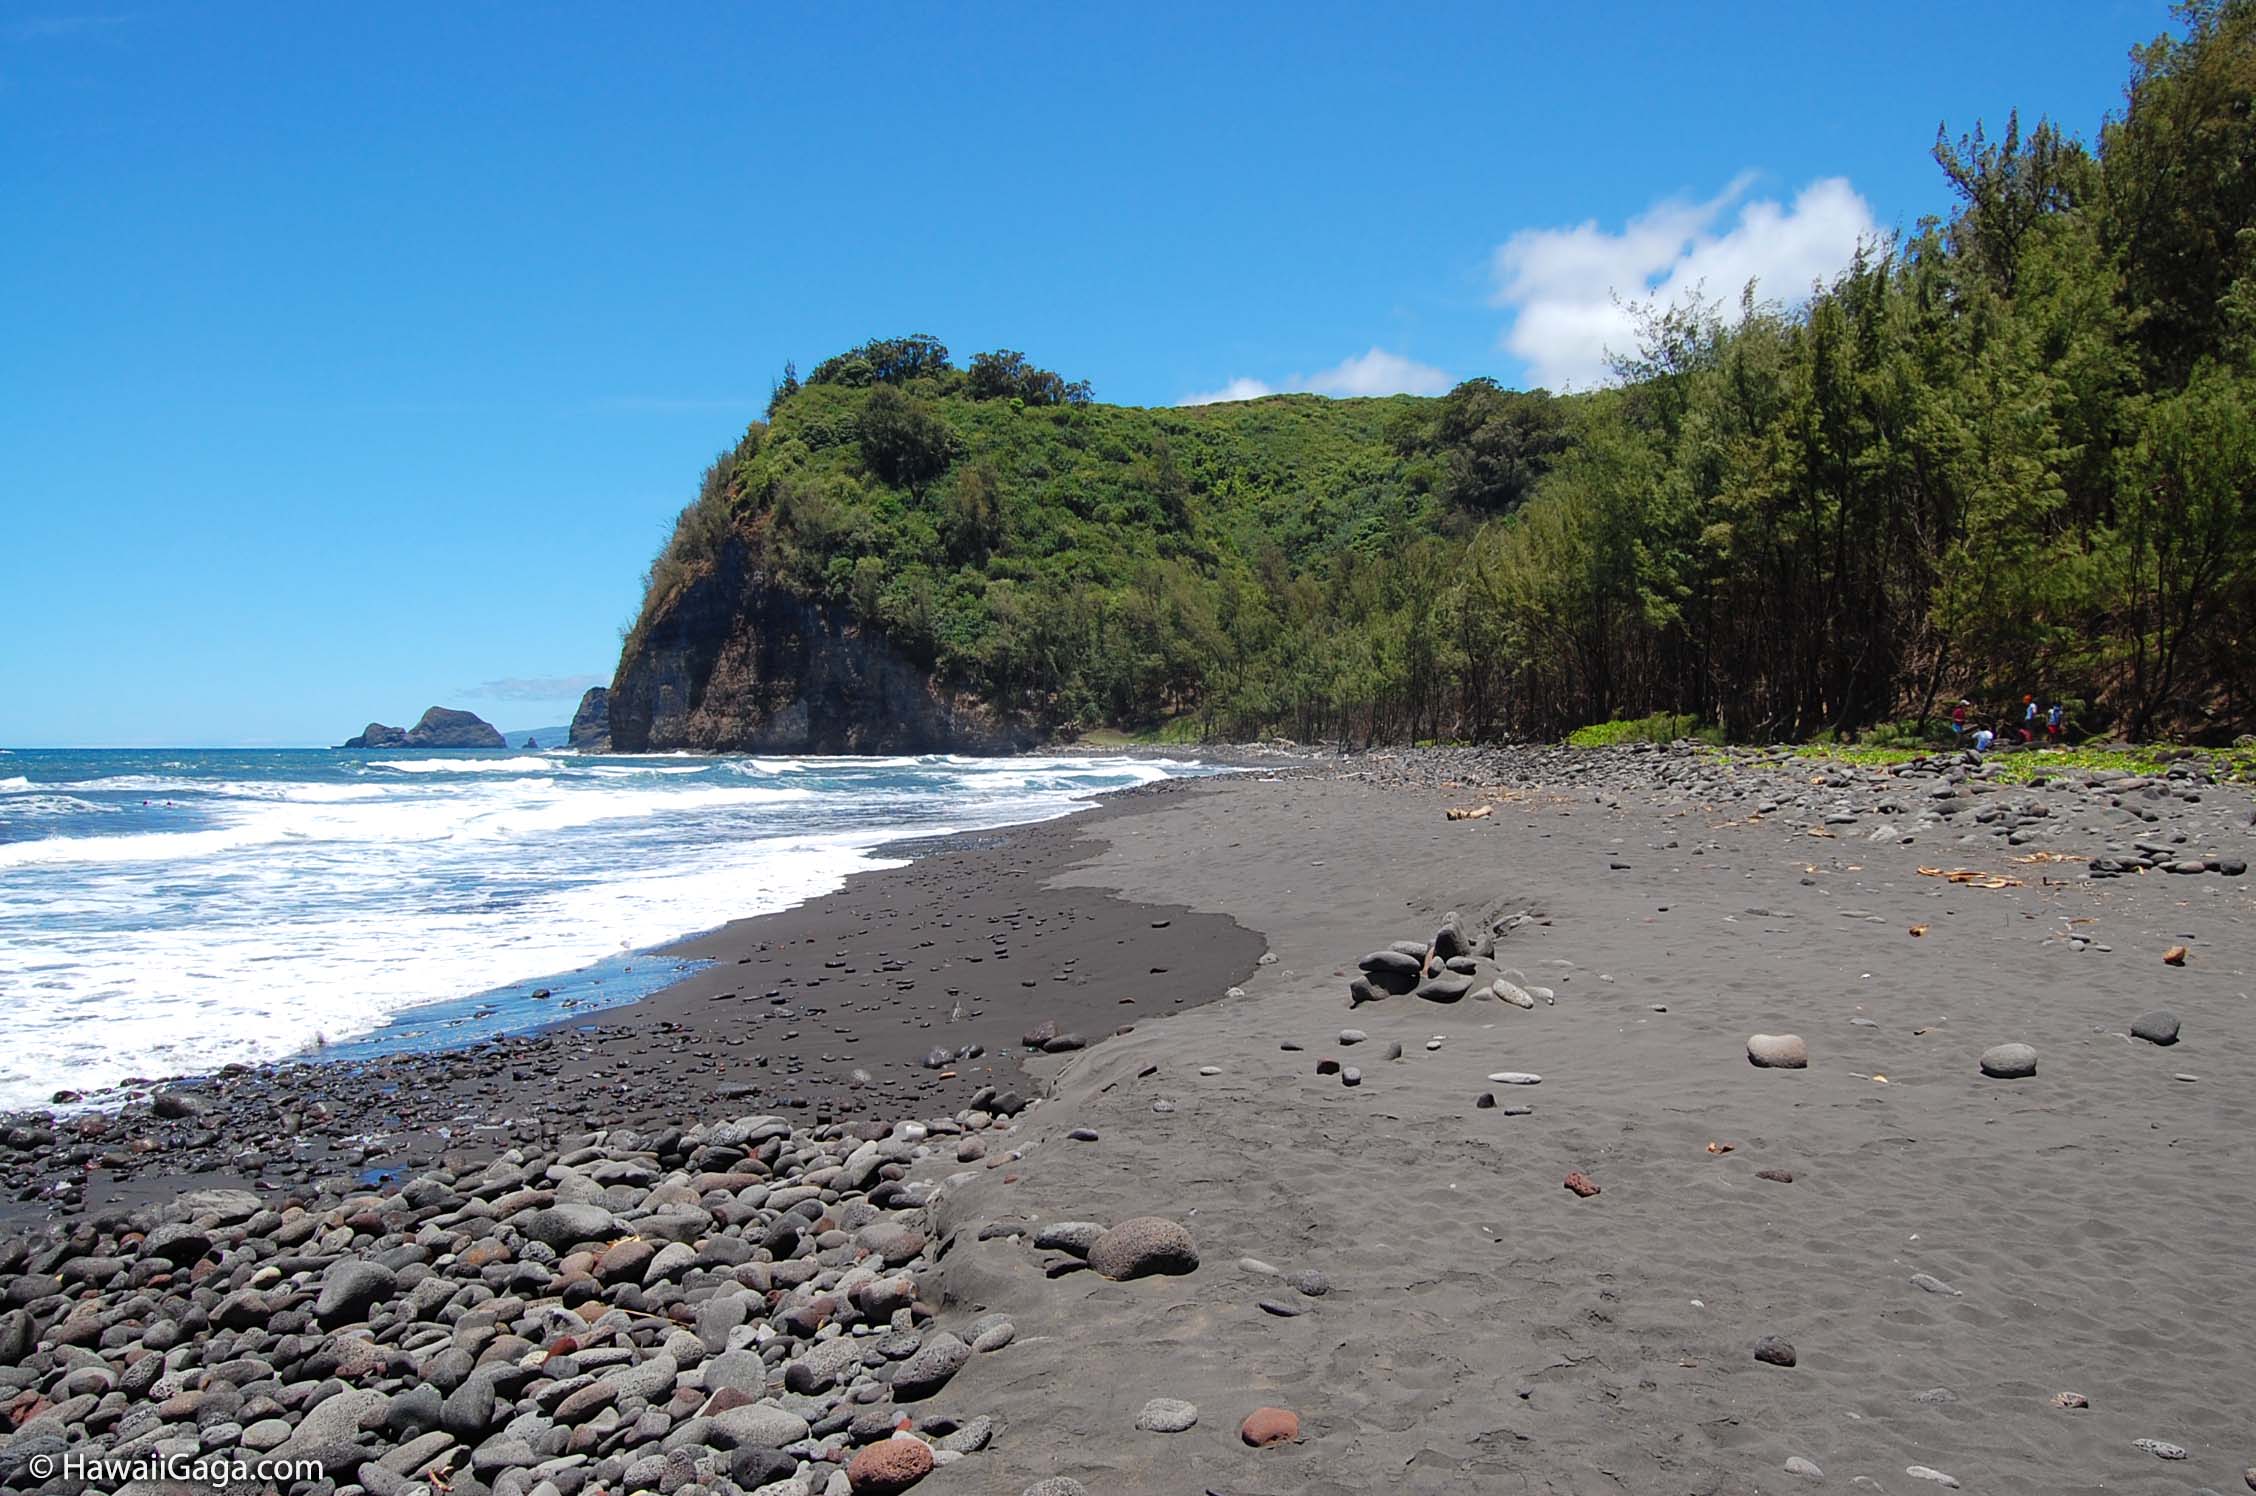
1958,718
2055,721
2028,719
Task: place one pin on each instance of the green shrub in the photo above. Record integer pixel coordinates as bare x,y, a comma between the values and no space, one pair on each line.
1661,727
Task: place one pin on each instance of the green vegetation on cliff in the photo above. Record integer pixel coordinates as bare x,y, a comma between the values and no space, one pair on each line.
2011,452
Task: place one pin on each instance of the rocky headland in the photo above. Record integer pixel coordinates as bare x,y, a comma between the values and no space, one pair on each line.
733,662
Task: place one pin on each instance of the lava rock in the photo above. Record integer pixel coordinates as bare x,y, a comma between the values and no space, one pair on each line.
1142,1247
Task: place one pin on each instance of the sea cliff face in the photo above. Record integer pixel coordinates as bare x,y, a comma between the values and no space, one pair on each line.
733,663
591,724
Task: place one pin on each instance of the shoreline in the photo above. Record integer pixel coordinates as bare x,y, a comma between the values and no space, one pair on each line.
1393,1261
352,1114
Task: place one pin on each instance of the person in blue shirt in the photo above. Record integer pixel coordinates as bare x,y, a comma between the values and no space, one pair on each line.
2056,720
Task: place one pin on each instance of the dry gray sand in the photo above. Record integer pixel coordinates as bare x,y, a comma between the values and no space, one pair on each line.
2091,1229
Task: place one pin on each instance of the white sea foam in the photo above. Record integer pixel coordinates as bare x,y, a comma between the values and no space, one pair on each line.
519,765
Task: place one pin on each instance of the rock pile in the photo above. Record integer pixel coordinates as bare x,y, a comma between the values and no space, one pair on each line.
1450,967
739,1307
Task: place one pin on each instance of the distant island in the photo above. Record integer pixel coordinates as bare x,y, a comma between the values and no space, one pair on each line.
440,727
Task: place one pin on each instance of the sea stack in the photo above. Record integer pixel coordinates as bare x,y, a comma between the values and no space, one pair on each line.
591,724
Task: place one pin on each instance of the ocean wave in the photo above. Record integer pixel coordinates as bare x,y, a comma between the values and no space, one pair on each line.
14,782
55,805
424,818
523,764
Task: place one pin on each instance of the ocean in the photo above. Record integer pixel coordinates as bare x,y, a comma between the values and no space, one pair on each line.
168,912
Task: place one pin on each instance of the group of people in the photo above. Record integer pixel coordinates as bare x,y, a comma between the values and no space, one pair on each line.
2051,721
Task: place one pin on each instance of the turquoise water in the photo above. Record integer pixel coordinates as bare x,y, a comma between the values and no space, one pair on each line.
170,911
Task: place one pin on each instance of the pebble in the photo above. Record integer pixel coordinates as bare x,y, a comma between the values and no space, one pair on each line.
1351,1076
1774,1350
1776,1176
1083,1135
1777,1051
2161,1449
1167,1415
1922,1472
2156,1026
1311,1281
1265,1426
1352,1036
1279,1308
1582,1184
1804,1468
2009,1061
1210,1069
1515,1078
1061,1485
1932,1284
1485,1101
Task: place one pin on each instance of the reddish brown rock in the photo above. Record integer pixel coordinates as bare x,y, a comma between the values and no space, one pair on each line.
1267,1426
890,1465
623,1262
1582,1184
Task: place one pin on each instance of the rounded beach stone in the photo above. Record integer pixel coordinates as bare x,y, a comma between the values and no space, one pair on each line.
1144,1246
2009,1061
2156,1026
1804,1468
1167,1415
889,1465
1777,1051
1056,1485
929,1369
1266,1426
1775,1351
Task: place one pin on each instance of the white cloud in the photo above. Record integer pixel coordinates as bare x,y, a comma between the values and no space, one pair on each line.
1236,389
534,687
1376,372
1567,288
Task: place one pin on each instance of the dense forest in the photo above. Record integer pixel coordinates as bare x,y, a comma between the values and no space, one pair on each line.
2011,451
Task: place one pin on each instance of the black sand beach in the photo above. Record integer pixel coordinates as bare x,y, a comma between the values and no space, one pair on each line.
2035,1284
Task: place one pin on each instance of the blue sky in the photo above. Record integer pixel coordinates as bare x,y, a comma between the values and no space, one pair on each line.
357,358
